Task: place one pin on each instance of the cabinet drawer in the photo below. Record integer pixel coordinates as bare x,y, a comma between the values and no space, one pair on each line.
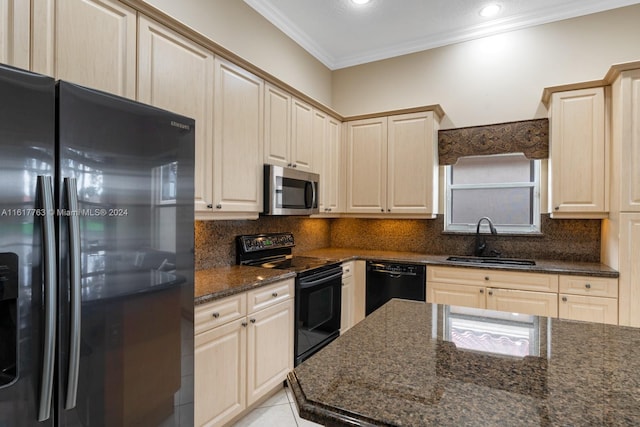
589,286
216,313
494,278
452,294
267,296
589,309
524,302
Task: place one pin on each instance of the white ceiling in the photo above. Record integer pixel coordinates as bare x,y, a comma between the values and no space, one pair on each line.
341,34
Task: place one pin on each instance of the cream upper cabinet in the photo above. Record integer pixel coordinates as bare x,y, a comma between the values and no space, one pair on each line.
579,155
367,166
625,142
238,135
288,132
329,158
88,42
412,152
392,165
176,74
277,126
15,18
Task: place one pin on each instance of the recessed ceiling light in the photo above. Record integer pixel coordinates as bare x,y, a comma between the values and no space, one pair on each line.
490,10
361,1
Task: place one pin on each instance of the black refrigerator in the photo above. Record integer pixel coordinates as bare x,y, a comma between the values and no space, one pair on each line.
96,258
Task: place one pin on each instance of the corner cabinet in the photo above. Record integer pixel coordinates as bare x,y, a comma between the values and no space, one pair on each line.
392,165
579,154
238,135
236,361
176,74
15,38
66,43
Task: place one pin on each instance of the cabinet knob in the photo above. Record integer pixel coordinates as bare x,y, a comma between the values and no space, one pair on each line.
490,292
482,291
252,320
294,166
244,324
275,294
564,299
381,210
216,315
289,165
388,210
587,285
486,277
557,208
209,206
218,206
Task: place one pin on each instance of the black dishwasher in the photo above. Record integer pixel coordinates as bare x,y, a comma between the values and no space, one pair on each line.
387,280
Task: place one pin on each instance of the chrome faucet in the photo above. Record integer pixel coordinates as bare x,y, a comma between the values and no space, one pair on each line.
482,244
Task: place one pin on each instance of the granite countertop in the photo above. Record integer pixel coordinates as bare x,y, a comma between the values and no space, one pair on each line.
542,266
221,282
401,367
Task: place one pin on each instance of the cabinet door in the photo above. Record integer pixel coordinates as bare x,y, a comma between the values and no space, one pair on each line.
413,164
629,117
220,373
301,136
277,126
270,349
88,42
450,294
15,16
578,154
331,171
589,309
177,75
367,166
346,314
525,302
238,139
629,280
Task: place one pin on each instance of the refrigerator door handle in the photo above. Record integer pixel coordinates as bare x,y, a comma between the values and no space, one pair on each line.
71,189
50,303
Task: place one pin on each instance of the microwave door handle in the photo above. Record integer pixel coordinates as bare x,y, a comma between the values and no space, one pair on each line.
309,194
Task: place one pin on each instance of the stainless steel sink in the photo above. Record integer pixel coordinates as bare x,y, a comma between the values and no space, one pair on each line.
491,260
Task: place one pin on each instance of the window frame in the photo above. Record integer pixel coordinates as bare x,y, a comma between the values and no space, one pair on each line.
533,228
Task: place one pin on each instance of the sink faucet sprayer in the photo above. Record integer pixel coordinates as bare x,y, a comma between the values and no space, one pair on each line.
481,245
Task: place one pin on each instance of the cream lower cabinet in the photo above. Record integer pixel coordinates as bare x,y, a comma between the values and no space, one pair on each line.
15,19
348,288
579,155
592,299
243,351
88,42
527,293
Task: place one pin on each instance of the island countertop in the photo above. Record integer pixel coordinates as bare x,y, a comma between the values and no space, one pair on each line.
406,365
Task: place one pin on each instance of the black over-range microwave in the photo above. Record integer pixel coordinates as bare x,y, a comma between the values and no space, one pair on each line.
288,191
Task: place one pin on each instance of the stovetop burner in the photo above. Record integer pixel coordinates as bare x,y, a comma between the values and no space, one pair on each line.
274,251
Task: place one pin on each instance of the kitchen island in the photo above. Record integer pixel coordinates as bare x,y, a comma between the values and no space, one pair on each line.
416,364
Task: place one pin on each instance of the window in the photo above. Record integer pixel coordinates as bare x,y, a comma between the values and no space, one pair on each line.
505,188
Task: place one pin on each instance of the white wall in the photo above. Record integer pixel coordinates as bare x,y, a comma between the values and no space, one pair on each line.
495,79
238,28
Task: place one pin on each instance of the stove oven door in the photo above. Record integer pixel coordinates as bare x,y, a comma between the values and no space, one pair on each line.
318,299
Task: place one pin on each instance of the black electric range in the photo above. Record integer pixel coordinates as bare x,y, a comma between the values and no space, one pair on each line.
318,288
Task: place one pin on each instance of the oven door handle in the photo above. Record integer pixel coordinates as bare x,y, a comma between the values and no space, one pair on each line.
308,284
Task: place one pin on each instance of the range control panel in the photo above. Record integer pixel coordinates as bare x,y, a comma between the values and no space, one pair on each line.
262,242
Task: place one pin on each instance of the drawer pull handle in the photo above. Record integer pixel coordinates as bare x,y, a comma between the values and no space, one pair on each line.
244,324
275,294
253,320
588,285
564,299
216,315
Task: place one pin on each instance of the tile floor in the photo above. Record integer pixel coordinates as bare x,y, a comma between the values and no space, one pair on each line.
277,411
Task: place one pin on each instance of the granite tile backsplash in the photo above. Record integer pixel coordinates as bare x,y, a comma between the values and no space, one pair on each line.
566,240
